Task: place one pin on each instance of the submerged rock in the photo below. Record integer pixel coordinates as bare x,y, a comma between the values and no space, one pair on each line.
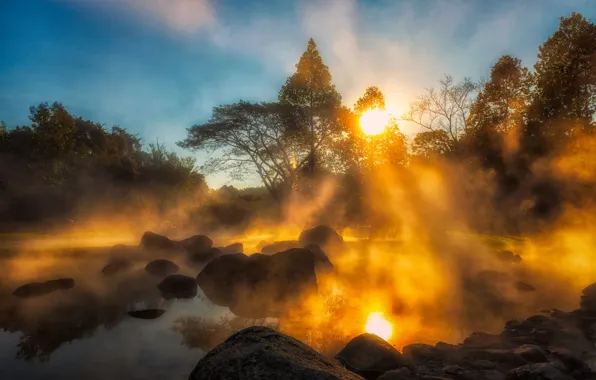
161,267
323,236
262,353
37,289
259,286
117,266
178,286
370,356
147,313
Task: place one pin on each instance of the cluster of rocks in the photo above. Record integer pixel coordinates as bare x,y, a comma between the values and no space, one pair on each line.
254,286
554,345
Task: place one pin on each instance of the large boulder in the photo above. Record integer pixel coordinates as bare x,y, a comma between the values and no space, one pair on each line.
259,286
117,265
161,267
204,257
37,289
156,242
322,262
178,286
260,353
323,236
370,356
196,244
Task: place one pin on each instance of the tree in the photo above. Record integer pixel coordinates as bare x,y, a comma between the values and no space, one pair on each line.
252,138
499,112
316,102
368,152
444,109
54,129
432,144
564,99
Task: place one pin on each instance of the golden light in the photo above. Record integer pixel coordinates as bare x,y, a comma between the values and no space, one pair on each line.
377,324
374,122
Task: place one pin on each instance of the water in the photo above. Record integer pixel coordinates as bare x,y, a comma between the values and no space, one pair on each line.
85,332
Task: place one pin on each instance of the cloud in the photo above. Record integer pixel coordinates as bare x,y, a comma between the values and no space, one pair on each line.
189,16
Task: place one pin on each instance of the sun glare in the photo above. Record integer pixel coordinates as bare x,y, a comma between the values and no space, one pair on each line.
377,324
374,122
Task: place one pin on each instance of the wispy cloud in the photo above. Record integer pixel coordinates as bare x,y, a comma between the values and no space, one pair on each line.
187,16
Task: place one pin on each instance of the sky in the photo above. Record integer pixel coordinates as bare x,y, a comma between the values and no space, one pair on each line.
156,67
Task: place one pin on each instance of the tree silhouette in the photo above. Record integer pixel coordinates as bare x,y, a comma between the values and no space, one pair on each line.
316,102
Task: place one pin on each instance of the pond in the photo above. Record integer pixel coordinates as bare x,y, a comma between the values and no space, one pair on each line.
86,332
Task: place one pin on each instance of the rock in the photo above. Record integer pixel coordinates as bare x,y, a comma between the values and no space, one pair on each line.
398,374
152,241
483,341
204,257
483,364
262,353
261,245
147,313
161,267
117,266
508,257
232,248
260,286
37,289
196,244
531,353
506,358
422,353
524,287
322,262
178,286
279,246
370,356
540,371
323,236
492,374
568,359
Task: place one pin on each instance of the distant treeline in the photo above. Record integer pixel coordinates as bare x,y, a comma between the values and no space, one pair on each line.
61,166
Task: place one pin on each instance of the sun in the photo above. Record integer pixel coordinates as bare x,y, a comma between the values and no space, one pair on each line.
374,122
377,324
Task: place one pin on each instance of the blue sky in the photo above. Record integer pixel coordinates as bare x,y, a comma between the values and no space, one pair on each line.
156,67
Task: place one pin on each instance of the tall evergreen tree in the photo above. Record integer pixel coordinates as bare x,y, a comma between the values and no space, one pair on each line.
310,91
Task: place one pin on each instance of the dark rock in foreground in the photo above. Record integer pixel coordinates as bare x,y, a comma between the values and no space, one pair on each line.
370,356
323,236
260,353
178,286
37,289
161,267
147,313
259,286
